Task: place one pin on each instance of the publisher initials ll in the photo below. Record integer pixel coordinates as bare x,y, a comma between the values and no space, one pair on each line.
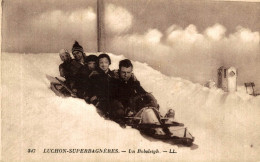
172,151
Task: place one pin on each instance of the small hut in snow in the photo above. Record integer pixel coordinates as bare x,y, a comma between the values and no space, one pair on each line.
227,79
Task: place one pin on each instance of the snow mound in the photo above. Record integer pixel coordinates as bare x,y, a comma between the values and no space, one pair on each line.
225,125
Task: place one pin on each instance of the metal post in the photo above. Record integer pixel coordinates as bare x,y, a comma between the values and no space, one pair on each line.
252,84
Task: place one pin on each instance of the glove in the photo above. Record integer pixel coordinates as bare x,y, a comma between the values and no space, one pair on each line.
93,98
130,113
74,94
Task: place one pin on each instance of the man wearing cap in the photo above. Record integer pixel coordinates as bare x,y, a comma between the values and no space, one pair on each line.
78,53
73,72
81,70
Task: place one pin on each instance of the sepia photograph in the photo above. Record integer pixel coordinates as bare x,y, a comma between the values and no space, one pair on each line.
130,80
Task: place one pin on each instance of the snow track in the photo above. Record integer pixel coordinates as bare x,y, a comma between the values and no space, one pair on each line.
226,126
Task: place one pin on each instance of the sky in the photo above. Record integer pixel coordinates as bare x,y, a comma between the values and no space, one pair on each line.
188,39
46,25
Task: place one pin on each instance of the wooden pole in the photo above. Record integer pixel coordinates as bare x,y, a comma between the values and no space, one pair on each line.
100,26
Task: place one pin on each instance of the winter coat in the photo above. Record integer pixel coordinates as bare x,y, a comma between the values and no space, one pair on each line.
100,84
76,75
125,91
69,70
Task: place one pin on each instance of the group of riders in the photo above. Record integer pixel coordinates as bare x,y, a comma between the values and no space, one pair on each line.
116,93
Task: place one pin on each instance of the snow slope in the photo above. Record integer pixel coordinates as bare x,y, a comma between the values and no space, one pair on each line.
226,126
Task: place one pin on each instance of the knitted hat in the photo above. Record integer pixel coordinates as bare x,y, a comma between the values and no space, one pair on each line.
64,55
77,47
62,51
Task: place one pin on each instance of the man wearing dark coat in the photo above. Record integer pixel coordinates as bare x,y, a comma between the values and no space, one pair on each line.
127,95
81,72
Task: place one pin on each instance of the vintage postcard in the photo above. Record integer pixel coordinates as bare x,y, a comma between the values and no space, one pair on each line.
130,80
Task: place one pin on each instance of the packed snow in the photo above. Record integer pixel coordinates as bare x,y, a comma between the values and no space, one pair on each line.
226,126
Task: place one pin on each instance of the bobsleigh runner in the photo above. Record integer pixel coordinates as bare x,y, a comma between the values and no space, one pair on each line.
59,87
147,120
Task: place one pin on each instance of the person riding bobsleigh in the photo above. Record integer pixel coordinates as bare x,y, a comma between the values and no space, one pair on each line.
127,95
65,69
132,105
